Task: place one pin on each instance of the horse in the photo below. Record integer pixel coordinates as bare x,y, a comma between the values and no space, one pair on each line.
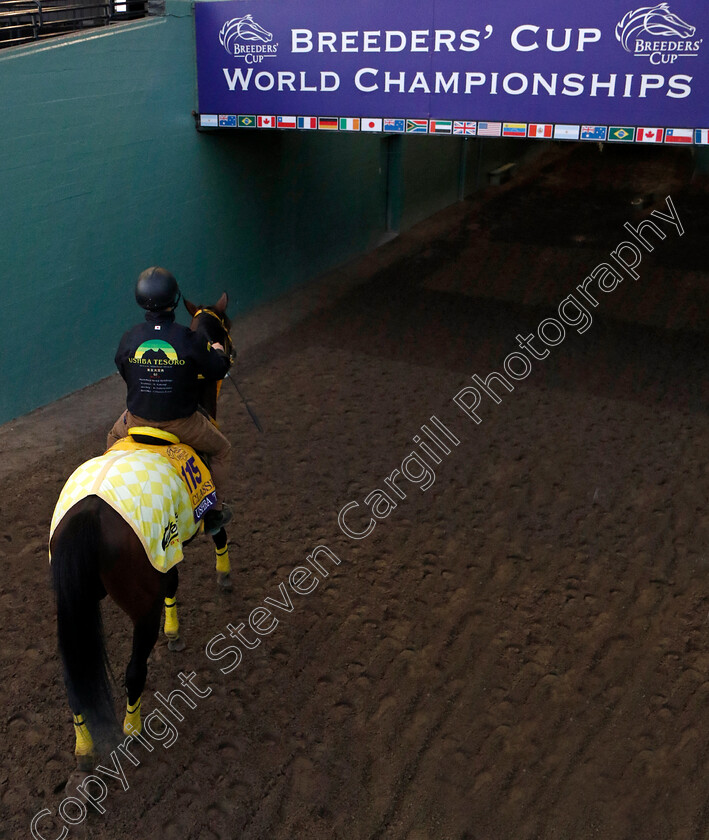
94,553
655,20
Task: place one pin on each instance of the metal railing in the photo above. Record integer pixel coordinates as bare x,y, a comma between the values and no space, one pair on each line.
23,21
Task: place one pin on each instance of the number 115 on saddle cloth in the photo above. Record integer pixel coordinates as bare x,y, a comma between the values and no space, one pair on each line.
183,458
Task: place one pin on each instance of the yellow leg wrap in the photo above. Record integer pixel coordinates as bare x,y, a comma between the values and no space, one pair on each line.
172,625
223,564
84,741
131,722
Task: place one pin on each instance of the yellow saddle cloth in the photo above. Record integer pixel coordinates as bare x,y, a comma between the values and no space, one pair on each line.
185,461
162,492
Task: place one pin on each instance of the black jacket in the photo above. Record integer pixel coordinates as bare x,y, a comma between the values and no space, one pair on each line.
160,362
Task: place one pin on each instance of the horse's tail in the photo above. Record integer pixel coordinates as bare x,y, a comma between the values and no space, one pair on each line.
78,588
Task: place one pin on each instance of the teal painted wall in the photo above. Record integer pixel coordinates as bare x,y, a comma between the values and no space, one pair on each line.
102,174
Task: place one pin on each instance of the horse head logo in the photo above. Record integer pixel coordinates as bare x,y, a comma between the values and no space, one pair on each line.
655,20
242,29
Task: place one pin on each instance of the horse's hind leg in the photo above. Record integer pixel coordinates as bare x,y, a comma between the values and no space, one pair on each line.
145,634
223,565
84,744
172,624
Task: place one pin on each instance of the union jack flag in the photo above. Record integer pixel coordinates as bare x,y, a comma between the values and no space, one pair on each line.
464,127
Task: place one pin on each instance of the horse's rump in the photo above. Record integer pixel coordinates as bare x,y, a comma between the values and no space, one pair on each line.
148,494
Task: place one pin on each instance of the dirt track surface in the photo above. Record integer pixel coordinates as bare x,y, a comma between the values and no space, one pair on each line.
517,653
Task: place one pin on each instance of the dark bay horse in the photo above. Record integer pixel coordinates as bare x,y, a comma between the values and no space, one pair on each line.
94,553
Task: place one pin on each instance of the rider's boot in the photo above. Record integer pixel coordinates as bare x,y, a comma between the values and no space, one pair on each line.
215,520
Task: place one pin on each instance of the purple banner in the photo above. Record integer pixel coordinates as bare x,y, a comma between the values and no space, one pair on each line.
606,70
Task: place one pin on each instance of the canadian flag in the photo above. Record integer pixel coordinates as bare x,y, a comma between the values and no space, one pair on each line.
266,122
539,130
650,135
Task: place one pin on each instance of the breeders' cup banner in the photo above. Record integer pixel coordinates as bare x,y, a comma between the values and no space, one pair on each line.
607,71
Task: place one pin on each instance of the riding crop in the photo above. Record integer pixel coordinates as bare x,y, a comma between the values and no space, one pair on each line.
248,407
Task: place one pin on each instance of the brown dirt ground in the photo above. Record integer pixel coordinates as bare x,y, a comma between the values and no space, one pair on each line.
517,653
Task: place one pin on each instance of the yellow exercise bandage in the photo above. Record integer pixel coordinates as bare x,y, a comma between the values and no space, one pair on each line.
223,564
84,741
132,722
172,625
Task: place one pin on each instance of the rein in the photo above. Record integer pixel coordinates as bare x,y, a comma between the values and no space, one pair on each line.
230,352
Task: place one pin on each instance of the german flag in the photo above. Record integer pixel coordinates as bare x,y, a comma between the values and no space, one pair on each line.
327,123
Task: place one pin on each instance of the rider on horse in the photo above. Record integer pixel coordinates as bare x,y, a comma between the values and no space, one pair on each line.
161,363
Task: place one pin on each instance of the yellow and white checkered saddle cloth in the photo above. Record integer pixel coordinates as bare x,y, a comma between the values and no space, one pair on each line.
145,488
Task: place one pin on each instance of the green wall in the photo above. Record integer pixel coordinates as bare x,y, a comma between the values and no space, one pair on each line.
102,174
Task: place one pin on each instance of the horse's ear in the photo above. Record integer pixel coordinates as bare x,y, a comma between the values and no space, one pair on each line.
221,305
190,307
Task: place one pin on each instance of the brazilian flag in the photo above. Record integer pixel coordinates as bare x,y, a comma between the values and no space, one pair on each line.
621,134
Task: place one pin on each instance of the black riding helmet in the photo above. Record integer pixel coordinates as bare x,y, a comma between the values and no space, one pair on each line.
157,289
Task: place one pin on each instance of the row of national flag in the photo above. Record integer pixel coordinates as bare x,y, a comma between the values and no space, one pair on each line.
470,128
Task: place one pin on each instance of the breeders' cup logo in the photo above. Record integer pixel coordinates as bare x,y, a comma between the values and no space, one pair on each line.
643,33
244,38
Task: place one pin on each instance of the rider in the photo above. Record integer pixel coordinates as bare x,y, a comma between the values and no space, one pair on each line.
164,395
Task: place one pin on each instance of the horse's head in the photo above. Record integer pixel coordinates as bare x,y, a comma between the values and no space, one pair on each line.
249,30
661,21
213,323
655,20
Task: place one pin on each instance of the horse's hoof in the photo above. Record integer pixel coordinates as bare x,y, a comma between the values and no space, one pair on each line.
176,645
85,763
224,581
78,777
